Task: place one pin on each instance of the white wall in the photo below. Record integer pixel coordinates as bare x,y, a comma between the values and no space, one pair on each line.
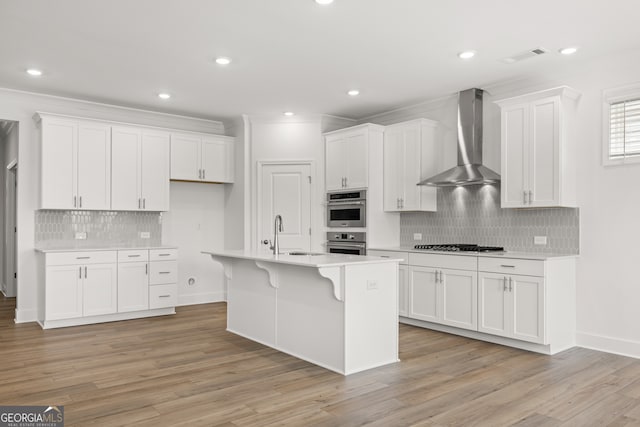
9,150
21,106
608,282
196,222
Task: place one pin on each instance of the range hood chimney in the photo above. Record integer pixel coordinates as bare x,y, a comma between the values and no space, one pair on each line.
470,170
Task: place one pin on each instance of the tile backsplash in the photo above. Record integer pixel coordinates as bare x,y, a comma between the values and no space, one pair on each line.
473,215
103,228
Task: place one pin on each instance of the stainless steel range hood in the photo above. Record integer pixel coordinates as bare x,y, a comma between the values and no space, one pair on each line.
470,170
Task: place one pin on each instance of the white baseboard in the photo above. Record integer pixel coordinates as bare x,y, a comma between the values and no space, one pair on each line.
609,344
201,298
25,316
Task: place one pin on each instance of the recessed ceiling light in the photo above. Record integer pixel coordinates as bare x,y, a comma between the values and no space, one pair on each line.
467,54
353,92
324,1
33,72
288,113
568,50
164,95
223,60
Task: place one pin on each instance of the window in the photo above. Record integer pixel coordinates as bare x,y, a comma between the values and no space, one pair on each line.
621,126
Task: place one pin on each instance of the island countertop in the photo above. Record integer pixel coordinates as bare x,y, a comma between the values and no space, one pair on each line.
315,260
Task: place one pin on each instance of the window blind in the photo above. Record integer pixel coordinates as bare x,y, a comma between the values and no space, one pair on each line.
624,129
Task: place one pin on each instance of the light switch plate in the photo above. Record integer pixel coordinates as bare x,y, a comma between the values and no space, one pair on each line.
145,235
417,236
81,235
539,240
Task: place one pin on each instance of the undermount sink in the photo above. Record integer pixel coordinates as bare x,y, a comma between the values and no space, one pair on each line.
305,253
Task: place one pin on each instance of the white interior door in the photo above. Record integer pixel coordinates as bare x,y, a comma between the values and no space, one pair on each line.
285,189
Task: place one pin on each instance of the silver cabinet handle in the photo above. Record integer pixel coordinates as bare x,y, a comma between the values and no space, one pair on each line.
510,284
164,254
504,283
133,256
80,201
139,203
204,174
79,272
164,272
507,266
402,207
199,173
146,269
164,296
441,277
83,257
75,199
85,271
144,203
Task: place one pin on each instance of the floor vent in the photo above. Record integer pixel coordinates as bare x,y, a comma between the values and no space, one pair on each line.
525,55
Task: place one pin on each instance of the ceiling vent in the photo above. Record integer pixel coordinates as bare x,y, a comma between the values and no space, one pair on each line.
526,55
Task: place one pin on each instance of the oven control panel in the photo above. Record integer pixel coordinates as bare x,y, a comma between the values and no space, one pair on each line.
334,236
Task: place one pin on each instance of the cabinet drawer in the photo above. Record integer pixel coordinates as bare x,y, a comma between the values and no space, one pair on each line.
459,262
137,255
390,254
161,272
84,258
163,254
162,296
527,267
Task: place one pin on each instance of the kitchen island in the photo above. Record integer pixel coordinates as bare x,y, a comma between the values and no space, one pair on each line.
336,311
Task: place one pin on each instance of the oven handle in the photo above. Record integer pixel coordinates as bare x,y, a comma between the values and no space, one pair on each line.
345,202
346,245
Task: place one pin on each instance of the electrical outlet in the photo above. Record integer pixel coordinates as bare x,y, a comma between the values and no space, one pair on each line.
145,235
417,236
81,235
539,240
372,284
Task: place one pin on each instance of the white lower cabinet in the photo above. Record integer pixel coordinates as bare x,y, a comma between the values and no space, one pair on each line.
99,286
525,303
512,306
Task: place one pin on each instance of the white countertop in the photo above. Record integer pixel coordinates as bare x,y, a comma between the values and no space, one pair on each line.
321,260
80,248
505,254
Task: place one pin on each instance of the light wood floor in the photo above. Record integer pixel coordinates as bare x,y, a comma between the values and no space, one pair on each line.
187,370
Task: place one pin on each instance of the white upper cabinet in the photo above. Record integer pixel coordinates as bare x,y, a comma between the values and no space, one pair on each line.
75,163
140,164
409,157
347,157
538,149
202,157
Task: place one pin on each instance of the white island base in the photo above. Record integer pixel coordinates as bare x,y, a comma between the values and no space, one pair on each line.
329,310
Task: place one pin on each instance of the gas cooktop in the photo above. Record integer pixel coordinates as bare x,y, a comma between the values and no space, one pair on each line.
459,247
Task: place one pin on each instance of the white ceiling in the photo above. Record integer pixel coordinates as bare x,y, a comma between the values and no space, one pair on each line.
294,54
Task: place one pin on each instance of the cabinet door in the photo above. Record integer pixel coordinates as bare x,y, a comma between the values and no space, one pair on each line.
217,160
59,164
94,166
493,304
423,294
155,168
63,299
515,164
403,290
185,157
133,286
334,163
356,160
543,153
100,289
393,175
459,299
411,155
125,169
527,295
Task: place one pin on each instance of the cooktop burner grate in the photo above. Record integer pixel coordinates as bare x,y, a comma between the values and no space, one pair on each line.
459,247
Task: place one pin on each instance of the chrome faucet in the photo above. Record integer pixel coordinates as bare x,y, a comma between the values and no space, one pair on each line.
277,228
